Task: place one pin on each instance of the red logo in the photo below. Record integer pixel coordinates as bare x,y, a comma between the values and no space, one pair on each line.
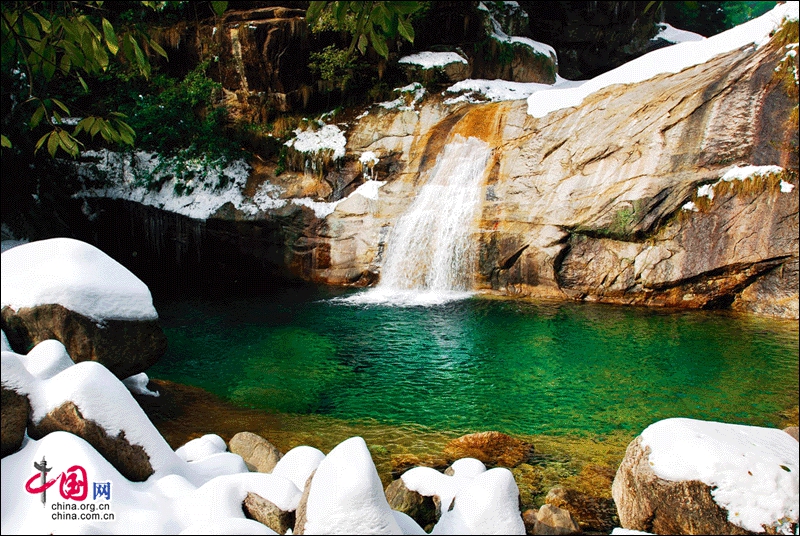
74,484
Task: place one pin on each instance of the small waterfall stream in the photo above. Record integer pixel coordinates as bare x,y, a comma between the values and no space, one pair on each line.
430,255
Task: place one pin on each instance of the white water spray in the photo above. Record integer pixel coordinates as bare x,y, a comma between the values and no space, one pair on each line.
430,256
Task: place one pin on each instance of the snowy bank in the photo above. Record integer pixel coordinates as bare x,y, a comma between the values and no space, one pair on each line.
667,60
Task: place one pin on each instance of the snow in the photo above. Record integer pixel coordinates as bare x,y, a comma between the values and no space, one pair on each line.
415,89
737,173
359,505
500,90
753,471
328,137
674,35
706,190
137,384
6,347
201,447
5,245
76,275
120,178
486,502
786,187
429,60
666,60
298,464
621,531
323,209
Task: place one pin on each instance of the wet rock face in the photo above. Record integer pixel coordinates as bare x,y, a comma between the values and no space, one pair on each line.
125,347
648,503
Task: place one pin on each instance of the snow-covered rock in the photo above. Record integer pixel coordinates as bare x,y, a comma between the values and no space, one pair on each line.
71,291
689,476
346,495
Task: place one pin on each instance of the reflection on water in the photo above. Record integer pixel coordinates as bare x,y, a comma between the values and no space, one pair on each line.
480,364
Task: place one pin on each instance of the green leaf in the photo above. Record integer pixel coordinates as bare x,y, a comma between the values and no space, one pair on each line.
46,26
96,126
30,27
41,142
60,105
406,8
83,125
405,29
141,60
83,84
362,44
68,143
65,64
111,37
5,141
49,62
155,46
52,144
219,8
379,44
37,116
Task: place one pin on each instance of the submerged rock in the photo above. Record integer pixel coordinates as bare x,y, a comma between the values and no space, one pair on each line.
492,448
591,513
550,519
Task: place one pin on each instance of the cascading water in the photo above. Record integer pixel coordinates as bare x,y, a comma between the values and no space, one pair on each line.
430,255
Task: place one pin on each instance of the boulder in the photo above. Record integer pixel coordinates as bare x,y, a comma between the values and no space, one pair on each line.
130,460
551,520
125,347
257,507
591,513
793,431
648,503
302,508
15,409
258,453
69,290
419,507
492,448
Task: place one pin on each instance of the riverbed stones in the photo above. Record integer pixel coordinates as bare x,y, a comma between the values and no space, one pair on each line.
258,453
257,507
14,411
591,513
549,520
129,459
417,506
492,448
302,507
648,503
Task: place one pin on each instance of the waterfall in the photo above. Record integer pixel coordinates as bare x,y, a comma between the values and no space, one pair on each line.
430,255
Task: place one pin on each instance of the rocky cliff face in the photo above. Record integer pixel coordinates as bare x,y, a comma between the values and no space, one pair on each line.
594,194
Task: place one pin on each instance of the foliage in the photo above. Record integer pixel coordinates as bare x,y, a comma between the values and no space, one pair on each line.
48,40
182,117
371,24
333,65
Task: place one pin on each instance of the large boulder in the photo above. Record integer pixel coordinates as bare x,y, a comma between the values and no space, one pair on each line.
258,453
15,409
683,476
71,291
492,448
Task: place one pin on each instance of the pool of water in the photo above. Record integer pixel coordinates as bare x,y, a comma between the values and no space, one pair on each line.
481,363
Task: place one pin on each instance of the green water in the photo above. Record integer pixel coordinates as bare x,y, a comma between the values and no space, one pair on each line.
484,364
